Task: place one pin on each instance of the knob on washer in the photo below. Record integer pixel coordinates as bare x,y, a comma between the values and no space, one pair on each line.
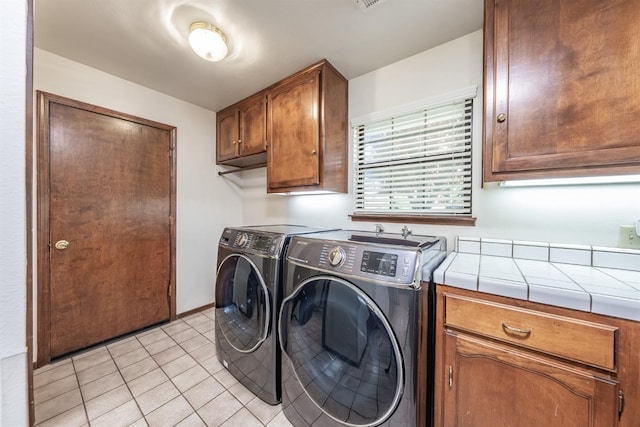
242,240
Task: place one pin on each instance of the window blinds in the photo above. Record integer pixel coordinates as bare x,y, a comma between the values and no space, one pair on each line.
415,163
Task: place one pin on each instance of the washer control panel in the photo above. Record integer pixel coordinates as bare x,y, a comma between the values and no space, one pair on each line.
388,264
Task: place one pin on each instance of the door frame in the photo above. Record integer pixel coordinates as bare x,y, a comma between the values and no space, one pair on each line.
43,246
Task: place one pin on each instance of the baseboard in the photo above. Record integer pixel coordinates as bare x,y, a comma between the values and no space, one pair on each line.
195,310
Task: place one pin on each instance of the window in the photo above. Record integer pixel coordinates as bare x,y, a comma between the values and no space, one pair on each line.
415,165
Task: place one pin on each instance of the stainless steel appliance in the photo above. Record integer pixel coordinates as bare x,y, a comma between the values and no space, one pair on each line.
349,327
248,292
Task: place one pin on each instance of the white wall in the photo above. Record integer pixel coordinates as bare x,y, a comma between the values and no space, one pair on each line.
13,351
205,202
579,214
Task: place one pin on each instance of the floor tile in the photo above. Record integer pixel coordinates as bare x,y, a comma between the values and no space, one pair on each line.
95,358
219,409
190,377
212,365
240,392
55,388
167,375
169,354
53,365
160,345
196,319
280,421
138,369
225,378
147,381
131,357
152,337
204,327
242,418
175,327
107,401
263,411
156,397
192,420
140,423
194,343
58,405
74,417
170,413
185,335
124,348
203,392
98,371
203,353
101,386
179,365
51,375
123,415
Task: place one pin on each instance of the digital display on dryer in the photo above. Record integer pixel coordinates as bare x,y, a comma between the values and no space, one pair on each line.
379,263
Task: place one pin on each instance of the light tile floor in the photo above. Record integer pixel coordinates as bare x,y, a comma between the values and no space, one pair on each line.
165,376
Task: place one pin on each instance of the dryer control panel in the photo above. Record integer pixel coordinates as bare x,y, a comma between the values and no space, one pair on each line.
252,242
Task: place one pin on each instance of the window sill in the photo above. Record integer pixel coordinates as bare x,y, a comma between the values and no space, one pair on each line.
417,219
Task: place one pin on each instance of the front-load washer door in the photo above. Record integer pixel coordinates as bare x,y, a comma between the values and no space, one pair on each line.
243,306
342,351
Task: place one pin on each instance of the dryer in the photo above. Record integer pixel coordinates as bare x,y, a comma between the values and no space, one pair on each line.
349,329
248,292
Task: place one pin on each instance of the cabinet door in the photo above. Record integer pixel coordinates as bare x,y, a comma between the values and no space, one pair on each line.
294,133
493,385
253,120
561,88
227,135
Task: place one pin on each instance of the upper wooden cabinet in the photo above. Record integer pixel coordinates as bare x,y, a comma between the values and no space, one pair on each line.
561,88
307,132
241,132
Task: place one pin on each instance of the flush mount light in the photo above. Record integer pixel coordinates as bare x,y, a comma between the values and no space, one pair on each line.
207,41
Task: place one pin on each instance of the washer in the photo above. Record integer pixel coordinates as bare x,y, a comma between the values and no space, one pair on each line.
248,292
349,329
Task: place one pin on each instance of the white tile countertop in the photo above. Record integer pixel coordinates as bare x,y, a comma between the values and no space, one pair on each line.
587,278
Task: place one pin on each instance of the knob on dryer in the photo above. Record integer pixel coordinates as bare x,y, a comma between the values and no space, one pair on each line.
242,240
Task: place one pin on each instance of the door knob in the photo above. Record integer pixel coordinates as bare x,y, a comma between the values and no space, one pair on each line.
62,245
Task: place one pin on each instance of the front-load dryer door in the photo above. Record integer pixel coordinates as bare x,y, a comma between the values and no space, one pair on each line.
342,351
243,306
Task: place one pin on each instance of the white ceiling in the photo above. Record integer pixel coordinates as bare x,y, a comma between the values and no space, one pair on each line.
145,41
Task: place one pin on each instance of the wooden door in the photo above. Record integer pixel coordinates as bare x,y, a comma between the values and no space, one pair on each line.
227,134
253,121
107,187
294,133
490,384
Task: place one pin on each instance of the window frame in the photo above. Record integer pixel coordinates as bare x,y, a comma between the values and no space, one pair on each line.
421,105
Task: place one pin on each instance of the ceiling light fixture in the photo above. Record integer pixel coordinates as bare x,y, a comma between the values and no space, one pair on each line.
207,41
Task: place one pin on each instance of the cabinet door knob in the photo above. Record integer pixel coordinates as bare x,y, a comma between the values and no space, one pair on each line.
234,142
313,152
239,141
502,117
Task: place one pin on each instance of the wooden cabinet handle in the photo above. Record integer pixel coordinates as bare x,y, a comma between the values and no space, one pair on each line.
511,330
501,117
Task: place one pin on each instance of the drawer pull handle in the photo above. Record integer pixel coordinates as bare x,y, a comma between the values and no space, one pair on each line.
511,330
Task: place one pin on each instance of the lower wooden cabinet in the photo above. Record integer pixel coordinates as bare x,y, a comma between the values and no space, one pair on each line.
504,362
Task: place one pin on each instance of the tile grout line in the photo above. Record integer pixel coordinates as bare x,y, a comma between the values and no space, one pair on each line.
84,406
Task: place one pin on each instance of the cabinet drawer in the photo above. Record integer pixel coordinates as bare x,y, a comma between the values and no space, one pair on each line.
590,343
